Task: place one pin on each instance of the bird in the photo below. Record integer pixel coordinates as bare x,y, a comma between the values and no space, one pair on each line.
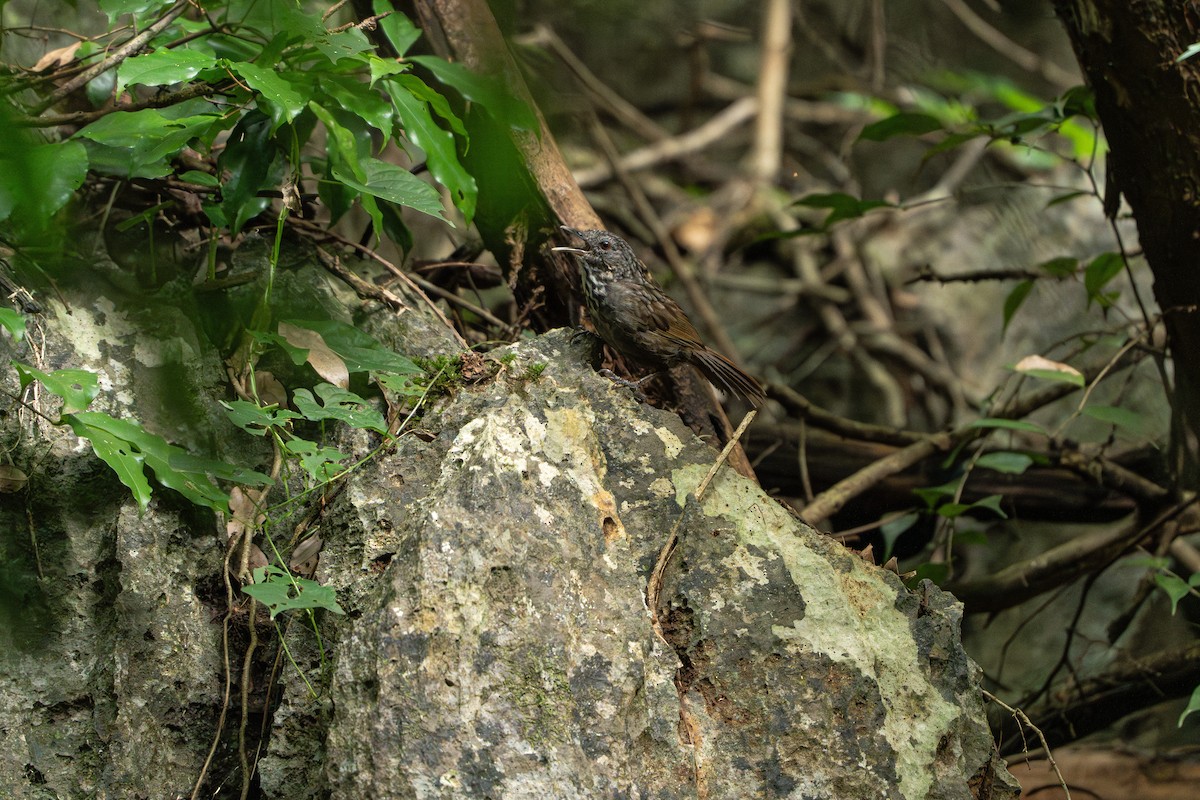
639,320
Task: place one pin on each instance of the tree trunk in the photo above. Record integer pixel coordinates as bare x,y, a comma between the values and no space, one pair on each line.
1149,104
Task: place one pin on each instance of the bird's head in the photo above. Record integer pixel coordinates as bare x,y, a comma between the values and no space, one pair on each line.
605,252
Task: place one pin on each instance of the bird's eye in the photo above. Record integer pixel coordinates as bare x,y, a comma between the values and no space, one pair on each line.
605,244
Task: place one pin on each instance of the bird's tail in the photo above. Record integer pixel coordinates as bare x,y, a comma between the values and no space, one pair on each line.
728,376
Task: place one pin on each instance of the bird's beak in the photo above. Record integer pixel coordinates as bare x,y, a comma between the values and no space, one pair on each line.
575,250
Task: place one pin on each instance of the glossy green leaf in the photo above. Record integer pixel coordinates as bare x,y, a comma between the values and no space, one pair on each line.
126,445
932,495
440,151
116,8
200,178
77,387
356,97
488,91
394,184
140,143
398,28
384,67
437,102
902,124
282,100
163,66
347,44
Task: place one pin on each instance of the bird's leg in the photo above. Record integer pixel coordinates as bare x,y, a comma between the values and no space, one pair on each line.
635,386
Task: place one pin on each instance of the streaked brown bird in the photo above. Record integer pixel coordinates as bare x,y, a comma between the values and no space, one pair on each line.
640,321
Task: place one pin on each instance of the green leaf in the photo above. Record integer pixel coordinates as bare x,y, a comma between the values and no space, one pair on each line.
358,98
440,152
283,101
1061,267
1120,417
1063,198
77,387
1005,462
893,528
279,592
338,404
116,8
394,184
384,67
1102,269
1007,424
12,322
139,143
121,457
255,419
932,495
398,28
358,350
901,124
322,463
347,44
488,91
1194,702
929,571
39,179
163,67
842,206
1175,587
991,503
200,178
437,102
1014,300
248,157
126,446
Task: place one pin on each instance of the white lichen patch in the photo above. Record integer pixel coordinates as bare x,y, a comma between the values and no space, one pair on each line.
661,487
850,617
672,445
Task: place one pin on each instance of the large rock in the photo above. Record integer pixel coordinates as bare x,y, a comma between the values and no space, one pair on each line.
508,650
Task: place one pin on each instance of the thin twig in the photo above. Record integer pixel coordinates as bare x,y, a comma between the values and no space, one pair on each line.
119,55
1024,720
716,129
654,584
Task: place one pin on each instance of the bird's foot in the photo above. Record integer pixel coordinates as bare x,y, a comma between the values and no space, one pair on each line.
635,386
